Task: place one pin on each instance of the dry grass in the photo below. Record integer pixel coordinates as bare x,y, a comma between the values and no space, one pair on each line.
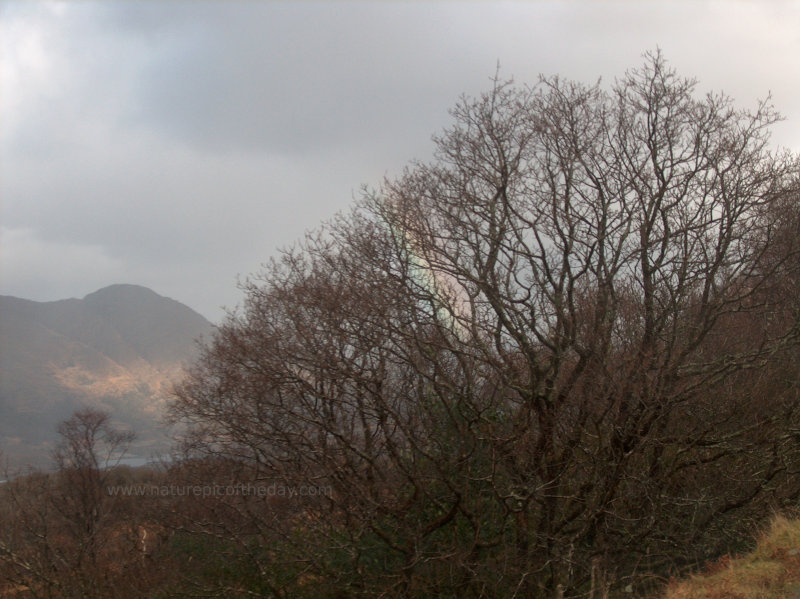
771,571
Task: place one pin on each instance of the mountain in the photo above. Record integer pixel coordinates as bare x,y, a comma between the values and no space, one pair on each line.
118,349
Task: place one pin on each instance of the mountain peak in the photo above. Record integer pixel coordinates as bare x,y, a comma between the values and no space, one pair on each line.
127,297
122,289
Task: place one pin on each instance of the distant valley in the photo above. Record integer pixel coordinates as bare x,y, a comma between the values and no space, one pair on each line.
118,349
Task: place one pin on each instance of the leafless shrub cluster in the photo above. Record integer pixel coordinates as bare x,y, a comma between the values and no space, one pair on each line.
62,535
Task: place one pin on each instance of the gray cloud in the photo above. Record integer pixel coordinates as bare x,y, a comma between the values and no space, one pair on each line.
300,79
177,144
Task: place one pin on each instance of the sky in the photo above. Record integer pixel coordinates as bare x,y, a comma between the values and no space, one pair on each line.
179,145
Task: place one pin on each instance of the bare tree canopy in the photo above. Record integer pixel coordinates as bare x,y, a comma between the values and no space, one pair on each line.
552,362
61,534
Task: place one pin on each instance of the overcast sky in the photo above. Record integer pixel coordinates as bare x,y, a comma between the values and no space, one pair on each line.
177,145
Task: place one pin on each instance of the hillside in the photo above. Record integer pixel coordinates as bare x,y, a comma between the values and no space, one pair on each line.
117,349
771,571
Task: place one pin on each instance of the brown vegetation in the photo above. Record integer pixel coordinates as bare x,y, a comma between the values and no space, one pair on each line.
771,571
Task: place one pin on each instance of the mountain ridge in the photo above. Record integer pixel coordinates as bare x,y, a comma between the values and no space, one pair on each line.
118,349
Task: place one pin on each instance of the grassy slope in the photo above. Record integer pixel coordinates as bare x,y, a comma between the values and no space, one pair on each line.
771,571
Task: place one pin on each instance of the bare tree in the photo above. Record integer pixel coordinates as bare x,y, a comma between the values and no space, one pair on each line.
89,447
513,365
63,535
